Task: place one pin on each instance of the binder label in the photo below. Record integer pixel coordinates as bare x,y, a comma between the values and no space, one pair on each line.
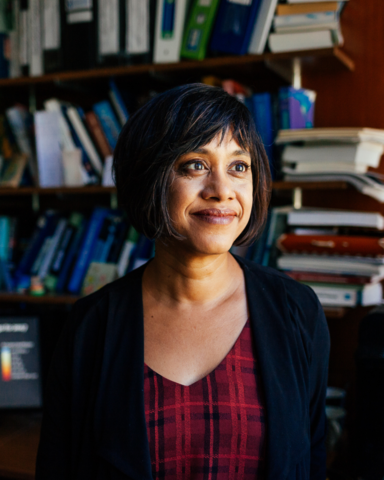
109,27
137,36
71,5
241,2
168,24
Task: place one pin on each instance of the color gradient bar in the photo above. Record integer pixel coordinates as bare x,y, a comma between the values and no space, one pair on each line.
6,365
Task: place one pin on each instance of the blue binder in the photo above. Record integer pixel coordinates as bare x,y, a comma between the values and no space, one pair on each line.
234,25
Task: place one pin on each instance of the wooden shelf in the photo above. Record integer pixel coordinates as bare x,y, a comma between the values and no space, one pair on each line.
48,299
308,56
97,190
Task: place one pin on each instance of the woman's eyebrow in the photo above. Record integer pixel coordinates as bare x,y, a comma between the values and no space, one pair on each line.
233,154
240,152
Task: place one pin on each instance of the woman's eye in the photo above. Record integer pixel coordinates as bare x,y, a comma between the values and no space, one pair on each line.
195,166
240,167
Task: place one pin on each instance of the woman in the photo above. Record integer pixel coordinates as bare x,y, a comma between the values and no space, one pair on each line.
198,364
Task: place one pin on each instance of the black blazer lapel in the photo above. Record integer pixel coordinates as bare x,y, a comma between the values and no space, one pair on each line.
281,359
120,426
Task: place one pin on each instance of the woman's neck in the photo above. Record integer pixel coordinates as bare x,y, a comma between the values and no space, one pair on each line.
178,277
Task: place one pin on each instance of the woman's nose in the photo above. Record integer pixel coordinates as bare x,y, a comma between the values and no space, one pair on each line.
218,187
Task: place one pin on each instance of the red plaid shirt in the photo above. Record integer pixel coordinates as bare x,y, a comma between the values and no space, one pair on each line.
213,429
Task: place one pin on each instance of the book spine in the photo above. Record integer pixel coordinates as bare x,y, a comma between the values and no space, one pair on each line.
137,31
309,277
35,38
108,122
85,139
118,104
285,123
98,134
4,237
118,243
86,251
333,244
48,258
5,276
23,39
70,258
52,52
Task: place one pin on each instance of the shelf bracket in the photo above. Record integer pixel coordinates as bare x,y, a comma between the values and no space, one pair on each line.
297,199
35,202
288,70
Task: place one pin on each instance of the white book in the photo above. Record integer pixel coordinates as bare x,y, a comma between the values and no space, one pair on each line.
170,19
290,42
35,40
49,155
54,105
347,296
262,26
328,167
108,27
308,1
328,264
340,218
364,153
107,180
308,19
85,139
51,22
337,134
334,26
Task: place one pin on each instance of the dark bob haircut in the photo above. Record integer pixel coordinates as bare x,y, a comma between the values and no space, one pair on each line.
172,124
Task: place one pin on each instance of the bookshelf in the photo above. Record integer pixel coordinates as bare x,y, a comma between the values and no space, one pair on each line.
311,60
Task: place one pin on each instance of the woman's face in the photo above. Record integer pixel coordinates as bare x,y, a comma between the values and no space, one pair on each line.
210,198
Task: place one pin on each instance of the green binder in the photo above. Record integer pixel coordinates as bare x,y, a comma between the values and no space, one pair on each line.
198,29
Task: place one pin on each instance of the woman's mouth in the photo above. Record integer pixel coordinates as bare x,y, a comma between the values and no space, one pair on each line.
216,216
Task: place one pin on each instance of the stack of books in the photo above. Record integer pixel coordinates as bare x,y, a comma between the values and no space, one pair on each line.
334,154
339,254
306,25
69,253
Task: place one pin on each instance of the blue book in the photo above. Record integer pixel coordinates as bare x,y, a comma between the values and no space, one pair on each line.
118,103
263,116
87,249
234,26
70,258
4,237
142,252
43,227
108,122
5,276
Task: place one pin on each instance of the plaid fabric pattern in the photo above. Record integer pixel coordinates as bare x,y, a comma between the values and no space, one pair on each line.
213,429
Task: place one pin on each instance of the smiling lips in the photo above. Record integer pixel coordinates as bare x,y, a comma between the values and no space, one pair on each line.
216,216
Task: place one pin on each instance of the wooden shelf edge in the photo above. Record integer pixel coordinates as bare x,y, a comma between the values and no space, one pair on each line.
183,65
44,299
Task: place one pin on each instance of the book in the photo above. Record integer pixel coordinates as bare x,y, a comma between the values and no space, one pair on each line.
170,18
308,21
98,135
329,217
263,116
296,108
198,29
118,103
48,149
348,296
126,252
87,248
53,246
277,225
141,253
75,116
13,171
337,134
332,244
4,236
23,39
73,225
295,41
108,122
71,256
330,264
328,167
118,242
109,31
139,32
234,25
6,280
363,153
317,277
45,246
52,48
262,27
35,40
307,7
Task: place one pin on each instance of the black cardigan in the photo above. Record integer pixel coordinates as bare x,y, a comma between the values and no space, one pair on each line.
94,421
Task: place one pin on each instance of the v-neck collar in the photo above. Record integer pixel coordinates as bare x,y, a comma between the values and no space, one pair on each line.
120,426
